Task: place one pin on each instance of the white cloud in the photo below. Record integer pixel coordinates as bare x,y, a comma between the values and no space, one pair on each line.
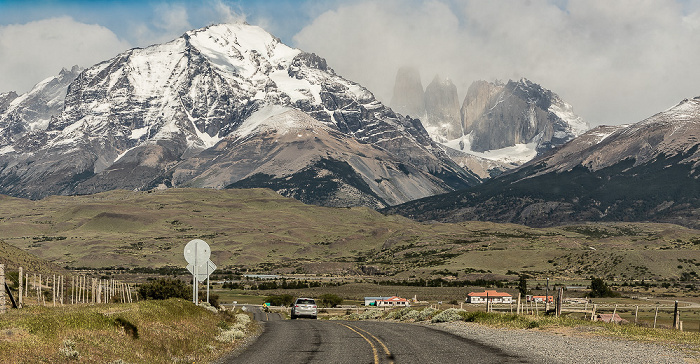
34,51
614,61
225,14
170,22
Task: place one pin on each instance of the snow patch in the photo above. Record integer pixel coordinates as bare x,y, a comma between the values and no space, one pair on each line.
565,112
517,154
295,87
138,133
258,118
123,154
281,119
7,149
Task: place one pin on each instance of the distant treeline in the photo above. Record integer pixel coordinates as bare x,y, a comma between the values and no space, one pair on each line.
284,284
440,282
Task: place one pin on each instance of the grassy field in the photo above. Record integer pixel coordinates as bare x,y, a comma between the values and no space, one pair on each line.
171,331
259,231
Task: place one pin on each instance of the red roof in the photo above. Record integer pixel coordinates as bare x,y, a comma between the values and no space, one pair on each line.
394,299
489,293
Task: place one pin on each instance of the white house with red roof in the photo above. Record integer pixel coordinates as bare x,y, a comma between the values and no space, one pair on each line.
490,295
393,301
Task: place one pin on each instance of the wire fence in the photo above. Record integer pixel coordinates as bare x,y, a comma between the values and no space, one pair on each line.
24,288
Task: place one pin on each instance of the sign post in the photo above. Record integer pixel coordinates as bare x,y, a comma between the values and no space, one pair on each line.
197,253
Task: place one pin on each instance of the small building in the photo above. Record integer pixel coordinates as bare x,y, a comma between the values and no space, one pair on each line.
394,301
490,295
372,301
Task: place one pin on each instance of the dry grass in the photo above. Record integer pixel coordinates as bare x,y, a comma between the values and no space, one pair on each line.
260,230
144,332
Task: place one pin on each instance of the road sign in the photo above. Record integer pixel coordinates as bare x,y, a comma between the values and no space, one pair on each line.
197,252
203,270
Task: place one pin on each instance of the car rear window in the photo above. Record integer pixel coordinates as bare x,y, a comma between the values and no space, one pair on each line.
306,302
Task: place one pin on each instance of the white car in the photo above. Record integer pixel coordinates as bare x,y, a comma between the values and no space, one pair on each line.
304,307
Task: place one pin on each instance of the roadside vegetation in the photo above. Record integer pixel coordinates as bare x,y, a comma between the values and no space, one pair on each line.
568,323
151,331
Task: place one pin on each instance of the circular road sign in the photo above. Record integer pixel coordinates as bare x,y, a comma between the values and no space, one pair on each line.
197,252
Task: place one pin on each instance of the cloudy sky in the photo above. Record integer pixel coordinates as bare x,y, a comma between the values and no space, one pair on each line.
616,62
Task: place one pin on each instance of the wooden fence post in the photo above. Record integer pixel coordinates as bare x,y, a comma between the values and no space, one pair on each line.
63,288
21,287
560,301
656,314
636,311
517,310
2,288
676,316
39,296
593,312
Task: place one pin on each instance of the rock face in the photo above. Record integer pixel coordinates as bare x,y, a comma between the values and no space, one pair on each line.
479,97
188,113
442,110
498,116
647,171
408,96
5,100
508,124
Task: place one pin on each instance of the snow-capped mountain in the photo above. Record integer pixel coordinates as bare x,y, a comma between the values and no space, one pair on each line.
35,109
507,123
173,114
646,171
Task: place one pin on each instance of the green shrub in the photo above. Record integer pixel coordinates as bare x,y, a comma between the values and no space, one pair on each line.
449,315
600,289
280,300
329,300
412,315
399,314
68,349
370,315
164,288
427,313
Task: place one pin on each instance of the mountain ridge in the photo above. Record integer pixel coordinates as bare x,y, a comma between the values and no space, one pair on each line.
646,171
141,115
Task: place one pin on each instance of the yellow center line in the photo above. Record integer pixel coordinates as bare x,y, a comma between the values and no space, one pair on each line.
386,349
374,348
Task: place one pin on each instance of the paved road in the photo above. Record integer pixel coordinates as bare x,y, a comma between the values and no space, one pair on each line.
321,341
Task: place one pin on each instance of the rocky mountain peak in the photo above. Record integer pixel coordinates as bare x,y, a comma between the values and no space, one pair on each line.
510,123
519,112
442,109
408,98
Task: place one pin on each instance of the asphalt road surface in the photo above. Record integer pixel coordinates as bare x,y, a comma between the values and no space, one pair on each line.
322,341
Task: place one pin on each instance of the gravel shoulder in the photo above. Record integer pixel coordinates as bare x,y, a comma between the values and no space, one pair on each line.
569,346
